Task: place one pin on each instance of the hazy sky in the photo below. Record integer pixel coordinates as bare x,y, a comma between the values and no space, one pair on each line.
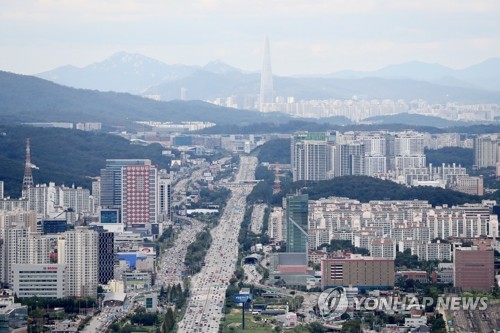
307,36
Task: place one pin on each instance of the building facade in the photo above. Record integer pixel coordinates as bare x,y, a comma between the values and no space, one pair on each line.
40,280
357,271
78,250
296,216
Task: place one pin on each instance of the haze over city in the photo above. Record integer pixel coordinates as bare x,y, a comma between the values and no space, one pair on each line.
230,166
307,37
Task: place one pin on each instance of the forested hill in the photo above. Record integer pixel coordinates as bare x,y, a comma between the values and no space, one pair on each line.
30,99
364,189
275,151
64,156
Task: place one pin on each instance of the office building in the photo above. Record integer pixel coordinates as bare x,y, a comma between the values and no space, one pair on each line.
296,216
14,318
357,271
473,268
131,187
40,280
54,226
139,191
1,190
106,256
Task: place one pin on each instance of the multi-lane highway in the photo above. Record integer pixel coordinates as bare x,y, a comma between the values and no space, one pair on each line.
172,268
204,308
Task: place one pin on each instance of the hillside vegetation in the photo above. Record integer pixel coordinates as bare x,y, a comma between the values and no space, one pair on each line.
64,156
30,99
364,189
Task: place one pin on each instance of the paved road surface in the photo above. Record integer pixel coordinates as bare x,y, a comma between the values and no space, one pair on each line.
208,288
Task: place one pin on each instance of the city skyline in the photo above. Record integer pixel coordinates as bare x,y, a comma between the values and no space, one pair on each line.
305,38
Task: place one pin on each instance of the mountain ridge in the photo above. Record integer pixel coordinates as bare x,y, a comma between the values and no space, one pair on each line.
50,102
138,74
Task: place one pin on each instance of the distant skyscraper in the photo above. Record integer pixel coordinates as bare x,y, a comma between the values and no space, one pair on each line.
183,94
266,79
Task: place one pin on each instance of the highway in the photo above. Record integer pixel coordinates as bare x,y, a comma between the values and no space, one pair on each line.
172,268
208,288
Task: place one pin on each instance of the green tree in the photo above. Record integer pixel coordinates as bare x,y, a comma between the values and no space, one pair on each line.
316,327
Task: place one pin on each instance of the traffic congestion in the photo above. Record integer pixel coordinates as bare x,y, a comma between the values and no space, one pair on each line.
208,288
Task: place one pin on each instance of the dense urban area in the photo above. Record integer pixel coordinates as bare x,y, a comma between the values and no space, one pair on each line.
273,219
142,197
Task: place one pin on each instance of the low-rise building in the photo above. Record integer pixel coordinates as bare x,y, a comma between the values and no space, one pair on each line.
418,276
358,271
40,280
474,268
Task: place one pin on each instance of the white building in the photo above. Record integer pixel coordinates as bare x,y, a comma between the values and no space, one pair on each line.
79,252
21,247
276,224
40,280
383,248
77,199
164,195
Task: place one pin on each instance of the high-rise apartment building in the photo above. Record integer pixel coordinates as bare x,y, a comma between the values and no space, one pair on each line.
349,159
43,199
296,217
78,199
164,195
276,224
310,156
486,150
409,150
96,193
375,154
78,250
21,247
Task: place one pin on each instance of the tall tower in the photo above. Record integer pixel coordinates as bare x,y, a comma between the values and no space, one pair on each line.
28,173
297,211
266,79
